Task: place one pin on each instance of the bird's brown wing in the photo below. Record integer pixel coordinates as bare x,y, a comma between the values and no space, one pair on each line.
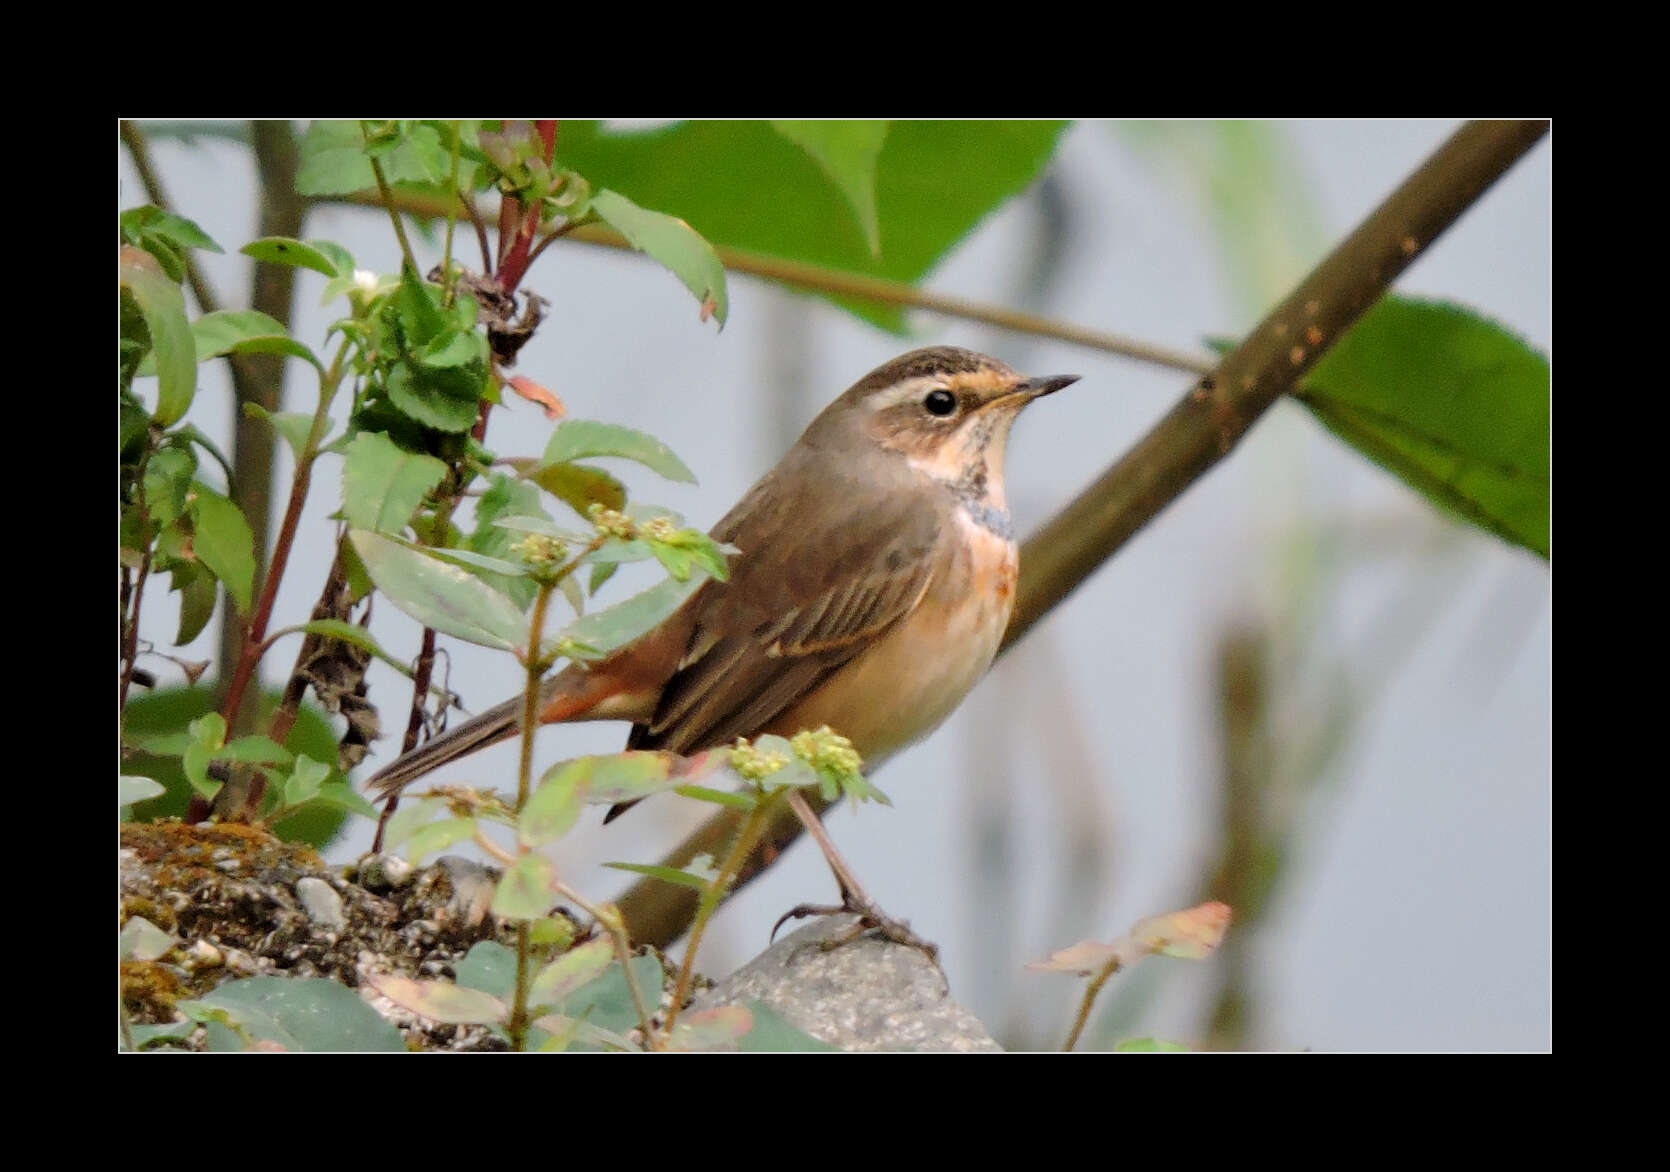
807,594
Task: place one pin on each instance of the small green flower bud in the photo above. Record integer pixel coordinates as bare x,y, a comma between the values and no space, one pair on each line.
753,764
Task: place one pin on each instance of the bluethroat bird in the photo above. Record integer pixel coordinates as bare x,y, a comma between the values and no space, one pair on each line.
875,579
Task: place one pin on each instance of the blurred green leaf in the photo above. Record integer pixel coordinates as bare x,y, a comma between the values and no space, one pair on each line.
254,750
163,307
293,426
526,890
773,1035
742,184
605,780
579,486
222,541
490,967
344,796
571,971
282,250
197,600
440,595
177,230
315,1014
244,331
383,484
333,158
437,836
674,244
1149,1046
691,879
847,150
155,724
1457,406
607,1002
131,789
440,1000
431,402
576,439
304,781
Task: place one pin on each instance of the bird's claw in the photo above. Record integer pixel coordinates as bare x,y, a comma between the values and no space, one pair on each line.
870,919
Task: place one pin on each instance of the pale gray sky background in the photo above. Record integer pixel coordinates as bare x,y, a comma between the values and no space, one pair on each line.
1415,910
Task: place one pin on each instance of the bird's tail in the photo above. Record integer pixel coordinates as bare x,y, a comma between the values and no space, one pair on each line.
499,723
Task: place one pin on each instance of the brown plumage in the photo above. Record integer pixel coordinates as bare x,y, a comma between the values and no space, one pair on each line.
875,578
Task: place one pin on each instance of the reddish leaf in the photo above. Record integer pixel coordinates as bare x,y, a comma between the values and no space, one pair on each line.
535,393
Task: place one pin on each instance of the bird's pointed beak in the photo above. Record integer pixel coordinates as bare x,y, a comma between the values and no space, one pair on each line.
1037,388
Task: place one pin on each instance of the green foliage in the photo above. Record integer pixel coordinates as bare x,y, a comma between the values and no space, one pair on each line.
301,1014
1457,406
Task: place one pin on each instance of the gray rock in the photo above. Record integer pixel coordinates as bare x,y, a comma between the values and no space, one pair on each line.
871,994
322,903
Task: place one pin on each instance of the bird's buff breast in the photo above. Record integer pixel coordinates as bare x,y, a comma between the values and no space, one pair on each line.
903,687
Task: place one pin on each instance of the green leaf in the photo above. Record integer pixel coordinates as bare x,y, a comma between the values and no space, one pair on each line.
333,158
454,348
142,940
675,244
571,971
177,230
935,182
526,891
197,600
340,257
430,403
490,967
282,250
498,567
319,1015
576,439
847,151
440,595
718,797
579,486
408,818
130,789
383,484
222,541
440,1000
437,836
720,1028
342,796
1149,1046
254,750
164,309
244,331
673,875
773,1035
607,1002
1454,404
295,427
606,630
304,781
606,780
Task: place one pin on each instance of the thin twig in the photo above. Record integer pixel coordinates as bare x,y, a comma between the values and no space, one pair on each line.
388,202
610,920
1090,994
448,283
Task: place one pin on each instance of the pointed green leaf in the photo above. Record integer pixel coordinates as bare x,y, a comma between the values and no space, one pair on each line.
527,889
282,250
579,485
163,307
1457,406
675,244
440,595
673,875
178,230
429,402
197,600
408,818
304,781
719,797
773,1035
490,967
605,630
293,426
222,541
847,151
345,797
576,439
316,1014
383,484
571,971
333,158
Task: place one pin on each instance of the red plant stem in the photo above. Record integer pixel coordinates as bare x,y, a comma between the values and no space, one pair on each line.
256,631
514,259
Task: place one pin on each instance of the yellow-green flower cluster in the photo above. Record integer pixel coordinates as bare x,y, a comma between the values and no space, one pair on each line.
539,550
754,764
613,522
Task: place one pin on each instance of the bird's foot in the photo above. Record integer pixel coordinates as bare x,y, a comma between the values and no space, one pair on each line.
870,919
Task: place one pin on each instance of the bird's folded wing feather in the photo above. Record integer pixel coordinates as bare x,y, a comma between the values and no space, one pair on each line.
804,599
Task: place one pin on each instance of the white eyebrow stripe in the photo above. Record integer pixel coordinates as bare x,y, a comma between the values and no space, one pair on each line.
908,390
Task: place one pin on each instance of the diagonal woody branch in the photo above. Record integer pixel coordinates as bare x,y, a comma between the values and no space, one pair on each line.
1200,430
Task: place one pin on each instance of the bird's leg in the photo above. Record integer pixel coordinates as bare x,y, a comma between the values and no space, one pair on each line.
854,899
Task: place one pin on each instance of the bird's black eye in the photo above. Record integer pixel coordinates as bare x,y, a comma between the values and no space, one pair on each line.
940,401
